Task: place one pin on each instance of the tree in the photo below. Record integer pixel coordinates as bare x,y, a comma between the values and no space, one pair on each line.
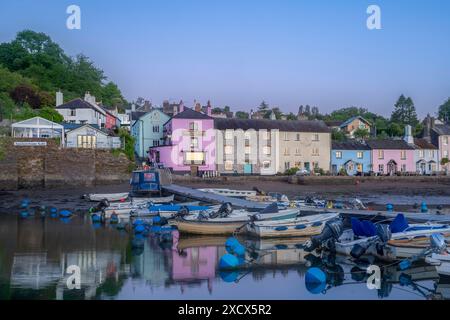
242,115
444,111
291,116
26,94
361,133
51,114
111,95
338,135
404,112
395,129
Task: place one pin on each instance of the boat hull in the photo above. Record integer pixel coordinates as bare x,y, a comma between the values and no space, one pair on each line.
108,196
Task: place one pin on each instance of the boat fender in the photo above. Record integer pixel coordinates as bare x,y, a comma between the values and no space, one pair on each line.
300,227
65,213
231,242
138,222
315,280
239,250
95,218
389,207
24,203
139,228
24,214
281,228
114,218
228,261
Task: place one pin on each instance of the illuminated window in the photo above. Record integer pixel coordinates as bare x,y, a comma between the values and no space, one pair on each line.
380,154
228,165
338,155
359,154
228,149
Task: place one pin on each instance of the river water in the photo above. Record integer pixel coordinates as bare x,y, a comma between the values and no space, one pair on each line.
35,254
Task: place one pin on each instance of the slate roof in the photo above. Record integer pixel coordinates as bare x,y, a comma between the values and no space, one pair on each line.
333,123
80,104
73,126
349,145
424,144
442,129
389,144
348,121
282,125
135,115
191,114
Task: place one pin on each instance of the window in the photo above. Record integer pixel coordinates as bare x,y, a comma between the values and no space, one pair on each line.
421,153
403,168
445,140
73,112
247,135
155,143
195,157
266,150
287,165
88,142
315,137
403,154
193,126
315,151
297,151
431,153
247,150
228,135
297,137
228,149
155,128
360,154
298,164
286,136
266,164
380,154
381,168
286,151
338,155
266,135
228,165
446,154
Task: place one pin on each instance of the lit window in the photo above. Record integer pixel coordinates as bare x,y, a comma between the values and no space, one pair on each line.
338,155
228,165
228,149
247,150
286,136
359,154
403,155
380,154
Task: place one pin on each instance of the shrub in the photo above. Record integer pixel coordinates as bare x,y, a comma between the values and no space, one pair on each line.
291,171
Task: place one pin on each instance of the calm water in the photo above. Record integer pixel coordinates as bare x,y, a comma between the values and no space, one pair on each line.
35,252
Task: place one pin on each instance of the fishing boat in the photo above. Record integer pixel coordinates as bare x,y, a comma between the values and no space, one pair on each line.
108,196
226,221
230,192
300,226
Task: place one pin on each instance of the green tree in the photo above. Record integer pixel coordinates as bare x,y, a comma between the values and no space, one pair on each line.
361,133
404,112
395,129
50,114
444,111
338,135
111,95
242,115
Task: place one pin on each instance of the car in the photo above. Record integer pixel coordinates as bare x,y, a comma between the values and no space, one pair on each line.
302,172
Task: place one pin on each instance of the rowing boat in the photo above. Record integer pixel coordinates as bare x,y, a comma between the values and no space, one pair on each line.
300,226
108,196
230,192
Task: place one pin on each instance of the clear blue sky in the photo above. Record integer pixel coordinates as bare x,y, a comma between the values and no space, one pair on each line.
238,53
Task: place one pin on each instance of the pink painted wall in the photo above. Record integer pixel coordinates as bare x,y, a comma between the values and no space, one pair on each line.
199,263
396,156
173,156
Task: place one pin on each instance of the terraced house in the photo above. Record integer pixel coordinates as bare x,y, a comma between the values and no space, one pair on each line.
351,158
438,134
266,147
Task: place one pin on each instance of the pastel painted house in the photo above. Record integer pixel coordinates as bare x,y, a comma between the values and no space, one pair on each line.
438,134
148,131
352,157
390,156
426,156
188,143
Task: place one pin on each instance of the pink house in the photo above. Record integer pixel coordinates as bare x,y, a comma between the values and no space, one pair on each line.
392,156
189,143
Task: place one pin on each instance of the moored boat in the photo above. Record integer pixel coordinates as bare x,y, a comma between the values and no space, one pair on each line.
301,226
230,192
108,196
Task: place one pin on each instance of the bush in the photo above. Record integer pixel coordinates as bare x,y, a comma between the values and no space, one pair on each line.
129,143
319,171
291,171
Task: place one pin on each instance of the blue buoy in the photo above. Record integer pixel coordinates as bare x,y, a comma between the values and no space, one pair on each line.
405,264
156,219
24,203
24,214
114,218
155,229
228,261
53,210
315,280
65,219
239,250
229,276
65,213
139,228
96,218
389,207
138,222
423,207
231,243
53,215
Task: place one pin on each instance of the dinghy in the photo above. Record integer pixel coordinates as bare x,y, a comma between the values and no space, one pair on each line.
108,196
169,211
301,226
226,221
230,192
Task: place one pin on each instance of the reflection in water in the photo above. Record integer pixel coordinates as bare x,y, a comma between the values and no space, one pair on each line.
35,254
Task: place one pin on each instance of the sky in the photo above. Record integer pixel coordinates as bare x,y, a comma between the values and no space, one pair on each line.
238,53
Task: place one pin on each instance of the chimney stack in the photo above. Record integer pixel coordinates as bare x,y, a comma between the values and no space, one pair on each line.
197,106
181,107
59,98
408,135
133,107
208,108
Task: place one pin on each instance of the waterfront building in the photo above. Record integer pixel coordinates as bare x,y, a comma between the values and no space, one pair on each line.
426,156
266,147
81,111
438,134
188,143
352,157
391,156
90,137
37,127
148,131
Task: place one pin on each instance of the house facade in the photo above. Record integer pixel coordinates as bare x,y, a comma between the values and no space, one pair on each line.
148,131
438,134
392,156
189,144
426,156
351,125
350,157
89,137
81,111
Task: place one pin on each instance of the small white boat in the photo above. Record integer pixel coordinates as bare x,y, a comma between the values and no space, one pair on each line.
167,199
171,210
108,196
441,261
300,226
230,192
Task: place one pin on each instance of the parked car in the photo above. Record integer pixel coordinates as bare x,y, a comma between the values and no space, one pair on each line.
302,172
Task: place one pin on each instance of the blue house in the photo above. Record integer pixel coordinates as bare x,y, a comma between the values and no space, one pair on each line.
148,131
352,157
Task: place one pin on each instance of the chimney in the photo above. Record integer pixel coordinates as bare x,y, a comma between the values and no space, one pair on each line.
408,136
133,107
181,106
208,108
87,96
59,98
198,107
273,116
175,109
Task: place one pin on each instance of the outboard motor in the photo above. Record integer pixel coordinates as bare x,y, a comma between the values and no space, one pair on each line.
438,243
102,205
224,210
183,211
382,237
331,232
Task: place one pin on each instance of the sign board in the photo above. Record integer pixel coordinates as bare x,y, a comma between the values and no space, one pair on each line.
30,143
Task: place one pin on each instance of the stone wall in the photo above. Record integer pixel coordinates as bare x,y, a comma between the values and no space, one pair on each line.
53,166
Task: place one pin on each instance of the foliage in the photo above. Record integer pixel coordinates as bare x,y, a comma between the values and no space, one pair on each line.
291,171
242,115
50,114
116,152
2,149
129,143
291,116
404,112
361,133
338,135
444,111
444,161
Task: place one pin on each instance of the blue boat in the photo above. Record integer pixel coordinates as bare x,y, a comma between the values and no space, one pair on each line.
146,181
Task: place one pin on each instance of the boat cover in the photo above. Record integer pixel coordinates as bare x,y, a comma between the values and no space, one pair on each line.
271,208
399,224
363,228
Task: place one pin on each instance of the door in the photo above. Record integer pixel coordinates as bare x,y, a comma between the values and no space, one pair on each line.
359,167
307,167
194,171
247,168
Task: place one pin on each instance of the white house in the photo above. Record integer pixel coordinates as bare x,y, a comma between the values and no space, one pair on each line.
37,127
81,111
87,136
